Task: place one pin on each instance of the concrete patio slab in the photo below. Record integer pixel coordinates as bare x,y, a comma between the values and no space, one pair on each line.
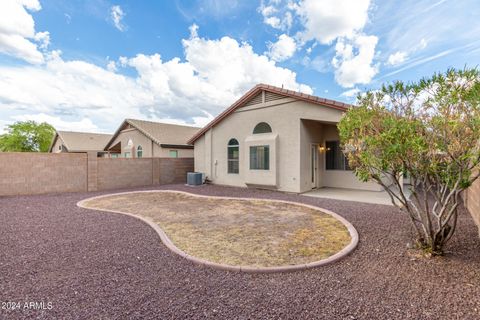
375,197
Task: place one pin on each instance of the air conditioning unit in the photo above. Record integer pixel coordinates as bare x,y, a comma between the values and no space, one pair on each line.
194,178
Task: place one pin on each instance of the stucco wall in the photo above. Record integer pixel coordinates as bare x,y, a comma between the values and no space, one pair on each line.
58,143
35,173
240,125
310,133
292,154
472,202
150,149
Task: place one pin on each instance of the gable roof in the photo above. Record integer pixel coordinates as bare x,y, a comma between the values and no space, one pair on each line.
81,141
276,90
158,132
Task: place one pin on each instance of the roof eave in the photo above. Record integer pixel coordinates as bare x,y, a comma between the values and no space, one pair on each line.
259,88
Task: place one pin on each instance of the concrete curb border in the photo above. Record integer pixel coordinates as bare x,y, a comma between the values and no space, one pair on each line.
169,244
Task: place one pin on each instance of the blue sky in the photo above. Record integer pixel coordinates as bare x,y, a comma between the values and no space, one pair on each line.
87,65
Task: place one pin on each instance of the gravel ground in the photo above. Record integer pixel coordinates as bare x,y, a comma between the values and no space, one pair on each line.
102,265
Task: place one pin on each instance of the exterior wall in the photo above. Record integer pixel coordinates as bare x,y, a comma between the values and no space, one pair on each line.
150,149
341,178
137,138
127,173
266,178
472,202
290,164
25,173
283,116
200,161
310,133
35,173
124,173
58,143
174,170
165,152
240,125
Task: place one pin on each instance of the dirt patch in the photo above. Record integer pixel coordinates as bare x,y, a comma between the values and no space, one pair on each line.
259,233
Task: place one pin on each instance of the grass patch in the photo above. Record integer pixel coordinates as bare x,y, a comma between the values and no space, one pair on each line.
258,233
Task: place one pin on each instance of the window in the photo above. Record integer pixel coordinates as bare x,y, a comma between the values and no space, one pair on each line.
334,157
127,154
260,158
233,156
114,155
139,152
262,127
173,153
60,147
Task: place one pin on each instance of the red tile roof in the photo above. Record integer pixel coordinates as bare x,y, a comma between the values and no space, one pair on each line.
258,88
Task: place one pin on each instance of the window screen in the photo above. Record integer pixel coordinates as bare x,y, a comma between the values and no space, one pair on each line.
334,157
233,156
260,158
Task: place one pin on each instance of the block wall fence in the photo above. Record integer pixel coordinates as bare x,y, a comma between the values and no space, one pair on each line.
472,202
23,173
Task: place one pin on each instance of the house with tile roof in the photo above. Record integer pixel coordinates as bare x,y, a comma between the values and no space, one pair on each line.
140,138
69,141
279,139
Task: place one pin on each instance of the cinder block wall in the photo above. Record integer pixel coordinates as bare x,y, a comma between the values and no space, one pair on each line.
123,173
174,170
35,173
472,202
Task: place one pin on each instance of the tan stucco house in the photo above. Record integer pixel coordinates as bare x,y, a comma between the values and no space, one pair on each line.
276,138
140,138
69,141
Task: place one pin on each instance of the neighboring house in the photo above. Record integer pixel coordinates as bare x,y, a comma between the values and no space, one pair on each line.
279,139
139,138
68,141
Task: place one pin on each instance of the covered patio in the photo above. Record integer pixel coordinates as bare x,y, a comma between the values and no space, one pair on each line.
365,196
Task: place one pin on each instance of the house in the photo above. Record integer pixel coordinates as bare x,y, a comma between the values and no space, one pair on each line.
68,141
279,139
139,138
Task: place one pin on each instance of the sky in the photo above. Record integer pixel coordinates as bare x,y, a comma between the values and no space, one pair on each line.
85,65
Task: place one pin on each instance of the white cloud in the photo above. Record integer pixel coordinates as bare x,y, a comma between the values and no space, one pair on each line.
397,58
111,66
85,124
68,18
283,49
117,15
17,30
274,17
274,22
351,93
267,10
212,75
353,61
326,20
43,38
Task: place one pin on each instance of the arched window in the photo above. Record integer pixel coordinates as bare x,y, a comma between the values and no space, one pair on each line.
139,152
262,127
233,156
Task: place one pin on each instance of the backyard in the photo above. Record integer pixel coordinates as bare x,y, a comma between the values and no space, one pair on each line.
234,232
97,264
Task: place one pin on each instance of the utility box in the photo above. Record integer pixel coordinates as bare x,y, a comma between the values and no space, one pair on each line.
194,178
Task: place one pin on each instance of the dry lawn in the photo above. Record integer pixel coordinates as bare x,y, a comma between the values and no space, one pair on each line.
236,232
